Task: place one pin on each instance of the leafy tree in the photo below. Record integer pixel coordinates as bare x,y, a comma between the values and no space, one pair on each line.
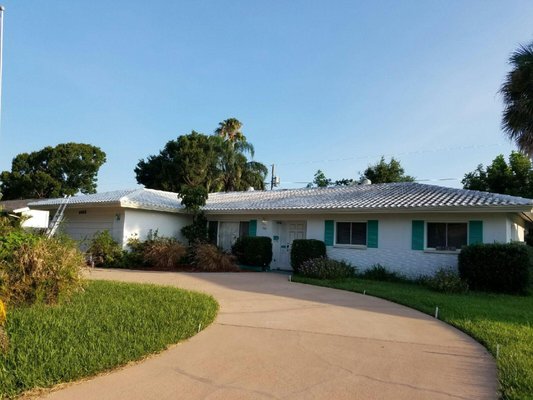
514,177
320,180
344,182
216,163
190,160
387,172
65,169
517,92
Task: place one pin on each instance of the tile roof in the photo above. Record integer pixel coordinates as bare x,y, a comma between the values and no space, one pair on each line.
389,196
149,199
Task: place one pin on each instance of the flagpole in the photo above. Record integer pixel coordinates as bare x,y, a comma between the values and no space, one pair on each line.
1,54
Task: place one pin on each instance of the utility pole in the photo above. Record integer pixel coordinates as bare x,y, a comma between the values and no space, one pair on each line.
274,181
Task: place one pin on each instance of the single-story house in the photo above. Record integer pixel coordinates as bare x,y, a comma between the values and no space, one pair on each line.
36,219
408,227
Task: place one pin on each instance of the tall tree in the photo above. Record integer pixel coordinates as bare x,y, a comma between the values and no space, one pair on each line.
230,129
190,160
517,92
387,172
65,169
514,177
213,162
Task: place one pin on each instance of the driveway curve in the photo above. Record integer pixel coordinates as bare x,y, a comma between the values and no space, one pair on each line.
274,339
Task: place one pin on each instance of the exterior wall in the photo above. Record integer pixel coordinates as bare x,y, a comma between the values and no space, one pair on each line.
516,229
82,223
36,219
139,223
394,237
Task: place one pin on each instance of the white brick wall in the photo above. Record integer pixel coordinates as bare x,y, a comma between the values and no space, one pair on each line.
404,261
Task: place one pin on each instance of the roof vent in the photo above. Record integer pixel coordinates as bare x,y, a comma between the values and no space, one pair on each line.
250,189
366,181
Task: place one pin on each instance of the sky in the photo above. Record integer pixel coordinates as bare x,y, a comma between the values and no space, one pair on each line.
330,85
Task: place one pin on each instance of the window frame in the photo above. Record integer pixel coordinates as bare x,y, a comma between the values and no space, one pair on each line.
446,249
350,245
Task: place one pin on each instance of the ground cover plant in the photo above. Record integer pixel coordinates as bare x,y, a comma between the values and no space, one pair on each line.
492,319
107,325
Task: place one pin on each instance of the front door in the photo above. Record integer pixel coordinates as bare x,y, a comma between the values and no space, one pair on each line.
288,232
228,234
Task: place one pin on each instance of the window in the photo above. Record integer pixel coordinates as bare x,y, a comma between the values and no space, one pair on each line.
244,228
212,232
446,236
353,233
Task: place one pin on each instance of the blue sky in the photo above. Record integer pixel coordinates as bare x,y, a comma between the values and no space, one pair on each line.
328,85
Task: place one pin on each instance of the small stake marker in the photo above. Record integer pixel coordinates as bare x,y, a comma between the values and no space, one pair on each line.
290,278
437,312
199,327
364,291
497,351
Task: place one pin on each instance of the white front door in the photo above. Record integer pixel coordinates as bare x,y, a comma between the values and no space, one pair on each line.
228,233
288,232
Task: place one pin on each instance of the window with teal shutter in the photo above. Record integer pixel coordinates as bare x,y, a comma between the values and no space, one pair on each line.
475,232
417,235
372,240
329,232
252,228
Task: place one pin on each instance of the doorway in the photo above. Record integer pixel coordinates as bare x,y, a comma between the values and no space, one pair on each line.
287,231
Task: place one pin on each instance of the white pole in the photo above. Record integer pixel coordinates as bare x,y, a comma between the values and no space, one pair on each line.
1,53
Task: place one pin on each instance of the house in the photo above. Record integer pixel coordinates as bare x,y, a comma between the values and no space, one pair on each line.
124,213
35,219
408,227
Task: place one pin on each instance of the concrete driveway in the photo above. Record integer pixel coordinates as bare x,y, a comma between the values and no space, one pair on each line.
279,340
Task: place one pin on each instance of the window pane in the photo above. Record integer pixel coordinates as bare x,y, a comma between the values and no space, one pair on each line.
457,236
213,232
244,227
359,233
343,232
436,235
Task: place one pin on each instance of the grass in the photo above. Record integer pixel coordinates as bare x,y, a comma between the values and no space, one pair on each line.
491,319
106,326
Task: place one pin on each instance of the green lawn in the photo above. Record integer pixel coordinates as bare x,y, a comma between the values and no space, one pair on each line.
106,326
491,319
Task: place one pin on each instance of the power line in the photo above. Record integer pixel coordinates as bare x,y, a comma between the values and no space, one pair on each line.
435,150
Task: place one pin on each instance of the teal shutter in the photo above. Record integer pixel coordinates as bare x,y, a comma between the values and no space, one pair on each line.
475,232
372,236
252,228
329,227
417,235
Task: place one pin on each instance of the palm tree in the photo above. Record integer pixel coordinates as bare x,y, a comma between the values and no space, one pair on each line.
517,92
230,129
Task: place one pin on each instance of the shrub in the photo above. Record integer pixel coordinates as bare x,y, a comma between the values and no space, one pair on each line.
209,258
163,253
379,273
253,250
445,280
104,251
306,249
495,267
323,268
41,270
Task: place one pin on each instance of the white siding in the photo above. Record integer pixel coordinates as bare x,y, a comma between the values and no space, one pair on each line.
516,229
140,222
394,237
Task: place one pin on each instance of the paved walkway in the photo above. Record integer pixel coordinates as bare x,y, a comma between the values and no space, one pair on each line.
279,340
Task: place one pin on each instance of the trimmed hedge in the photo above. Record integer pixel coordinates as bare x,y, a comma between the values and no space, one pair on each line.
324,268
253,251
502,268
306,249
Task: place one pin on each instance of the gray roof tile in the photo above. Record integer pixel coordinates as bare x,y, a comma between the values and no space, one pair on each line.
390,196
